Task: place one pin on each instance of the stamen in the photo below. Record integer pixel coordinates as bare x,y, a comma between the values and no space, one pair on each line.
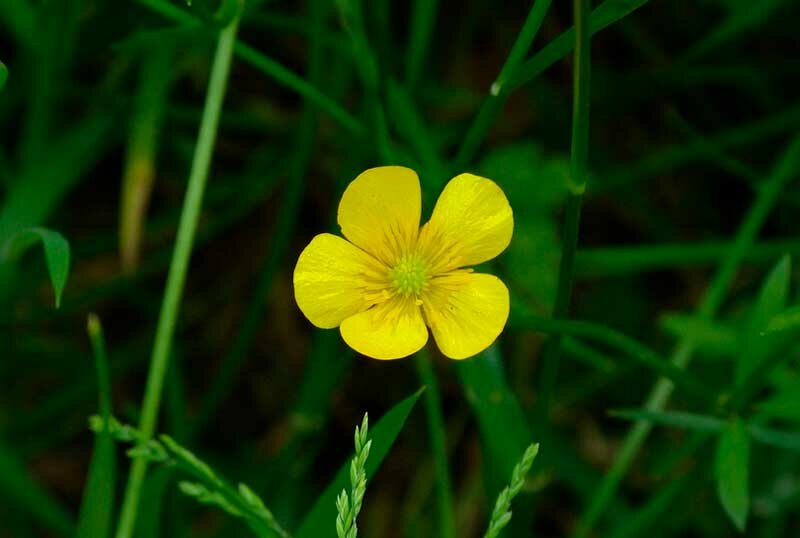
409,276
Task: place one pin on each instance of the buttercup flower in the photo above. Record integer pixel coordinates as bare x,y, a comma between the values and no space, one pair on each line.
390,278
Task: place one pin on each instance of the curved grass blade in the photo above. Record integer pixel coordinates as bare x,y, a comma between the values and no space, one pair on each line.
756,346
731,465
602,16
56,254
317,523
786,320
3,75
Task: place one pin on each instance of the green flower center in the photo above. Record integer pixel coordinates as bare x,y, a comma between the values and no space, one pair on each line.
409,276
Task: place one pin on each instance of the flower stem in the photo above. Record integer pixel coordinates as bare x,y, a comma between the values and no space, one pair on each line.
178,268
572,215
436,432
785,170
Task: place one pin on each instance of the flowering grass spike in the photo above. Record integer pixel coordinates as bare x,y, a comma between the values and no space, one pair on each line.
390,278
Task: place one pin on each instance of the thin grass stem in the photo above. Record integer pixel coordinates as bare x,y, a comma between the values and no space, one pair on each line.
572,215
785,170
178,267
498,92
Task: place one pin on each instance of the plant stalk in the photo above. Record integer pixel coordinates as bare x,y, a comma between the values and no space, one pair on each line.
178,268
572,215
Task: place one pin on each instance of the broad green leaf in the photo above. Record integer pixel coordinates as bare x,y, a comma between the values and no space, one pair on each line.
536,187
501,420
56,253
732,470
319,521
532,261
97,507
712,337
534,184
755,345
787,320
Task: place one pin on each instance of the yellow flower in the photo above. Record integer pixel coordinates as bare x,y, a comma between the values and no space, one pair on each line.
391,278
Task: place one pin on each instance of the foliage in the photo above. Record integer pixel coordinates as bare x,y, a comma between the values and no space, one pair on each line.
163,162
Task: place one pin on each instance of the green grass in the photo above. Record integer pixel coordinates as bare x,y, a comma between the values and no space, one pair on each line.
164,162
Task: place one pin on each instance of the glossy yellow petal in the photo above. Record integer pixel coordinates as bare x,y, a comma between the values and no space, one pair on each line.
465,311
471,223
391,330
380,212
334,279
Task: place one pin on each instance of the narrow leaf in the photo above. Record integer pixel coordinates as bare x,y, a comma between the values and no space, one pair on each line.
711,336
771,300
732,462
501,420
787,320
3,75
56,253
317,523
97,506
675,419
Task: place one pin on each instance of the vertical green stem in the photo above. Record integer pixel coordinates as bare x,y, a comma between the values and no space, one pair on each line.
280,239
682,355
423,17
436,432
572,215
498,94
178,268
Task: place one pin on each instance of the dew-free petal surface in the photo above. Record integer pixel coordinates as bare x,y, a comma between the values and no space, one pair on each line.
334,279
466,312
391,330
380,212
471,223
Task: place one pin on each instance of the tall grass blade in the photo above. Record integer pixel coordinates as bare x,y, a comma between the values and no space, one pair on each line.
317,523
97,507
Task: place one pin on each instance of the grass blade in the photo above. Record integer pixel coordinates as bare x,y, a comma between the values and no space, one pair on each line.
179,267
732,469
602,16
317,523
783,172
56,254
436,434
755,345
788,320
675,419
579,151
97,506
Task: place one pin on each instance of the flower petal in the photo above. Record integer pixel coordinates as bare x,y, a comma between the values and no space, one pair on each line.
334,279
466,312
380,212
391,330
471,223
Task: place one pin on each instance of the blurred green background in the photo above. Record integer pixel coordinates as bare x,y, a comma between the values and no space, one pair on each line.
689,222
